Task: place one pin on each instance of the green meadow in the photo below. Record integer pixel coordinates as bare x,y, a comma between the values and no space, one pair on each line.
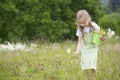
50,61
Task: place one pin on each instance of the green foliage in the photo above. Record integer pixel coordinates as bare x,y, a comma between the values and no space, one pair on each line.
43,19
94,7
111,21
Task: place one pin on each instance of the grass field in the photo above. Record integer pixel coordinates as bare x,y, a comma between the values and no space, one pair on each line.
50,61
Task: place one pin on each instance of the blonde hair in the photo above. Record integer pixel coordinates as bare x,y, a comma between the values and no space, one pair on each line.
83,14
83,17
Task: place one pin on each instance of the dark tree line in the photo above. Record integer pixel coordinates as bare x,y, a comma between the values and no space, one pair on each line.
52,20
115,5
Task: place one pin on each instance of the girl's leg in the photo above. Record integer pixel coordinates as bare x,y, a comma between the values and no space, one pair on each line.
93,74
86,74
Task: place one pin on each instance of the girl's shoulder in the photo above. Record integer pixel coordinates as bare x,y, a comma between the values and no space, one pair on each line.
95,25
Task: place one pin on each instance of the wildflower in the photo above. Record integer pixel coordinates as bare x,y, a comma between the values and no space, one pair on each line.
102,38
33,45
71,61
109,30
18,46
110,33
102,31
68,51
117,37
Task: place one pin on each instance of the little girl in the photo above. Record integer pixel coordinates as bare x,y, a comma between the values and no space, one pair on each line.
88,49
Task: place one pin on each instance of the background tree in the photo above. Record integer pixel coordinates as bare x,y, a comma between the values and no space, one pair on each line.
52,20
111,5
114,5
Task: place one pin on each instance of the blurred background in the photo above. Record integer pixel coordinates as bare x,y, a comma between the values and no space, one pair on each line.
53,20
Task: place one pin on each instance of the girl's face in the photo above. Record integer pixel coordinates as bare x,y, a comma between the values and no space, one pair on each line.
83,22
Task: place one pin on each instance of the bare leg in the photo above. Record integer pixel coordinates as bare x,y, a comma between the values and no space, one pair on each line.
93,74
86,74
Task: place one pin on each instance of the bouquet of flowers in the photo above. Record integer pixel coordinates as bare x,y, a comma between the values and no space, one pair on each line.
98,36
102,33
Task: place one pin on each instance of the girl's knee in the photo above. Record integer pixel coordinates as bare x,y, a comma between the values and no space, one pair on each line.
93,70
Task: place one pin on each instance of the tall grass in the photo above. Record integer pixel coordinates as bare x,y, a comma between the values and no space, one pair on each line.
50,61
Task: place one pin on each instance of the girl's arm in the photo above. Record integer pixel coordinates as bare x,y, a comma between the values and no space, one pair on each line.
78,46
96,27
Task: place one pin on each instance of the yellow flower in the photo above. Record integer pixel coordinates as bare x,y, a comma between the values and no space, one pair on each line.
68,51
102,31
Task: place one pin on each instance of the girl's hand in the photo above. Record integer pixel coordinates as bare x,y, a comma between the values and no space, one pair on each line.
76,53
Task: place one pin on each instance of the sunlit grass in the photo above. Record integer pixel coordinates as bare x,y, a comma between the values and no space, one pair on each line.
50,61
